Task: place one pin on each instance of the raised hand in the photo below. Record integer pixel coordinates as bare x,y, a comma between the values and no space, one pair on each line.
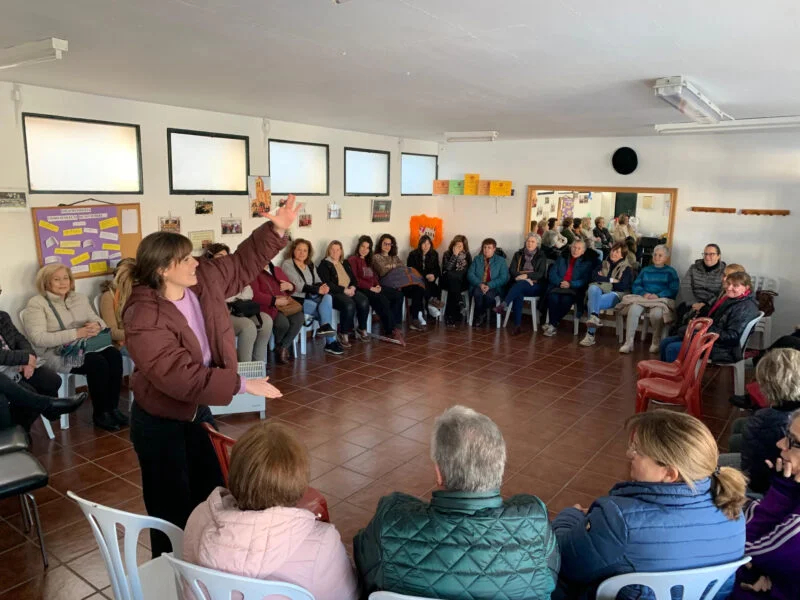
260,387
283,218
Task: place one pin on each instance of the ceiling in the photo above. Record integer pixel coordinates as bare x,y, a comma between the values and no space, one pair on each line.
418,68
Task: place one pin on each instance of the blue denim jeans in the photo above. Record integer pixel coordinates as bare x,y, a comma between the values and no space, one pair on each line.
516,297
597,300
322,311
670,348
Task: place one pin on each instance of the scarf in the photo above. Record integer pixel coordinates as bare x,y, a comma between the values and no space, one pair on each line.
722,299
616,269
528,265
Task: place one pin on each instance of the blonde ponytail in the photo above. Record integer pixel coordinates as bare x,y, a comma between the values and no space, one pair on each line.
123,285
728,488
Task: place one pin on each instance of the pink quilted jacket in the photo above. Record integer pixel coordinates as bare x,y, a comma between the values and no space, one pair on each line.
282,544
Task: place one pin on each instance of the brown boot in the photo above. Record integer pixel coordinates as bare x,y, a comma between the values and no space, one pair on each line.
282,356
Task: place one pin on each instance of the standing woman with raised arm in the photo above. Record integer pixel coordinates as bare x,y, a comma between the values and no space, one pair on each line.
178,333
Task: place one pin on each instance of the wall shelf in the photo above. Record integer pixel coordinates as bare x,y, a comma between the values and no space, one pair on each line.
765,212
713,209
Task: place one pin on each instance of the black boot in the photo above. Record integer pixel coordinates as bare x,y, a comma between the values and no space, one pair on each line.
119,418
64,406
105,421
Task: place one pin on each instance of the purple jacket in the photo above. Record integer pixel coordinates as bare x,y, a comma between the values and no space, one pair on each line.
773,542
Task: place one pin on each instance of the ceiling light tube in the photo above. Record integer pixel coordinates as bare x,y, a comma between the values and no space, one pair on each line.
470,136
729,126
683,95
33,52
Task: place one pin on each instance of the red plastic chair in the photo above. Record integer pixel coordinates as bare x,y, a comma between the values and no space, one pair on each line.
313,500
686,391
674,370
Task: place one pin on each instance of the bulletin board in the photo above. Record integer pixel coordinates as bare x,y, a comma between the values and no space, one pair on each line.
88,239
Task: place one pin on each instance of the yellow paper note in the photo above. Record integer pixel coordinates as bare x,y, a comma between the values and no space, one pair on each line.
111,247
66,251
49,226
470,187
70,244
109,223
81,258
98,267
472,177
76,231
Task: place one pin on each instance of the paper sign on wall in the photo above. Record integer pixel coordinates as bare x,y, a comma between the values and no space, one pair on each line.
441,186
111,247
109,223
471,184
483,187
107,235
81,258
456,187
500,188
98,267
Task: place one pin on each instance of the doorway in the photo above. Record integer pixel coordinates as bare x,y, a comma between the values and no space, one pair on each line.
625,204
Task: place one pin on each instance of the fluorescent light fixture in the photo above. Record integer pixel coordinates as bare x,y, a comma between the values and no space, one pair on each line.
730,126
32,53
683,95
470,136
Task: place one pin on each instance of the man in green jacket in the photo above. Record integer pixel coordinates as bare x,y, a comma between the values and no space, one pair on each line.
467,544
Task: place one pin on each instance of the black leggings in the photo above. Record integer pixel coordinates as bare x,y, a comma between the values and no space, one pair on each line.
179,467
285,329
350,307
454,282
386,303
21,402
417,295
103,371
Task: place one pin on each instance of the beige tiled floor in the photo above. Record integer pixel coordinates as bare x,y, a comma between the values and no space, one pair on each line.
366,418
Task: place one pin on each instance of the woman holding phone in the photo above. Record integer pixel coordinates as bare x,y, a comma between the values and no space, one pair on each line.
179,334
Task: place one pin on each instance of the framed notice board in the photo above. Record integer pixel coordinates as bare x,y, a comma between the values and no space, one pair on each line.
88,239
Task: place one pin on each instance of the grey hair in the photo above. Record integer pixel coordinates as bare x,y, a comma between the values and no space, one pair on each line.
663,248
535,236
793,416
778,375
580,241
469,450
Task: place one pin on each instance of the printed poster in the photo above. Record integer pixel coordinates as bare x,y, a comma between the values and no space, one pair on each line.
259,194
381,211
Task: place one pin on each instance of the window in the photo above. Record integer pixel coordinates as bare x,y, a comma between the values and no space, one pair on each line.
366,172
417,172
298,168
207,163
80,156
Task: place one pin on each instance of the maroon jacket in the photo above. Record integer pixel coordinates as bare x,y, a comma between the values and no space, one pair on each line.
267,287
170,380
364,274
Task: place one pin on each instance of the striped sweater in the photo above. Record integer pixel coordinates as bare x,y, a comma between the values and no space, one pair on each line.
773,541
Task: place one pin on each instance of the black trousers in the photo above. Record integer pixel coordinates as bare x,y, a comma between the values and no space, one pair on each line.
103,371
21,402
454,282
417,296
285,329
179,467
386,303
483,300
349,307
432,290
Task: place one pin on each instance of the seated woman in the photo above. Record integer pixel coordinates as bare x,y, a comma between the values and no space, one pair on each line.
566,230
587,233
58,316
426,261
336,273
623,229
603,234
386,301
27,389
654,291
753,438
731,314
566,285
550,234
310,291
487,275
455,263
528,269
609,285
254,530
252,335
273,292
384,262
677,511
702,283
541,227
114,294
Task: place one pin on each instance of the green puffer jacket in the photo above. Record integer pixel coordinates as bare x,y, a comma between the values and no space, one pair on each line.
461,546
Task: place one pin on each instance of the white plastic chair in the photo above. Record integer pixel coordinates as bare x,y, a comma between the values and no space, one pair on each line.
693,581
129,581
208,584
497,302
394,596
738,367
534,300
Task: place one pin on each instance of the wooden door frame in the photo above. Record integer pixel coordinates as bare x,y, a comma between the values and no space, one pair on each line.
672,192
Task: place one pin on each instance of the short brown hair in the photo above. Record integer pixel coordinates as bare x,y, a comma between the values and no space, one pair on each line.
740,277
158,251
269,467
733,268
46,273
295,243
621,246
459,238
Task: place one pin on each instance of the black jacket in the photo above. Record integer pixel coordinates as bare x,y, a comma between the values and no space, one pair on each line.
426,264
730,319
19,347
539,263
605,236
327,273
761,432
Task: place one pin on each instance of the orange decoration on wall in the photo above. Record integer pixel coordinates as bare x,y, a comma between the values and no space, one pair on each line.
424,225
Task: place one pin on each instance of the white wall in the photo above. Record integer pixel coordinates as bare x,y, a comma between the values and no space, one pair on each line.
760,170
16,230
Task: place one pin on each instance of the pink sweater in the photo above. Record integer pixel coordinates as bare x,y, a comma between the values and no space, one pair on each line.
281,544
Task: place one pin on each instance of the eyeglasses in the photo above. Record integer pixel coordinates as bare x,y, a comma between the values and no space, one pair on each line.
791,440
710,254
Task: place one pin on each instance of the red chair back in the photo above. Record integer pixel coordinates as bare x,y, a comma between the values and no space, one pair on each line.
695,368
695,328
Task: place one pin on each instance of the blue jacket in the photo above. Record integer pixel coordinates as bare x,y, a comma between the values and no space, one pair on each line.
581,272
498,270
643,526
661,281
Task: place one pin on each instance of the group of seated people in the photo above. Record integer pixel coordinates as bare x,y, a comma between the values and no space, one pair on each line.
678,510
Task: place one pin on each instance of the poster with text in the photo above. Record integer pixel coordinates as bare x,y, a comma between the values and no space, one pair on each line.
381,211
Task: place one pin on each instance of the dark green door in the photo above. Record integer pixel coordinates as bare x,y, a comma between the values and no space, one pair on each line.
625,204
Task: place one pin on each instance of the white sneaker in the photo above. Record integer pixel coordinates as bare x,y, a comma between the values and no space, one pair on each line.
433,311
588,340
626,348
594,320
655,348
421,320
548,330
